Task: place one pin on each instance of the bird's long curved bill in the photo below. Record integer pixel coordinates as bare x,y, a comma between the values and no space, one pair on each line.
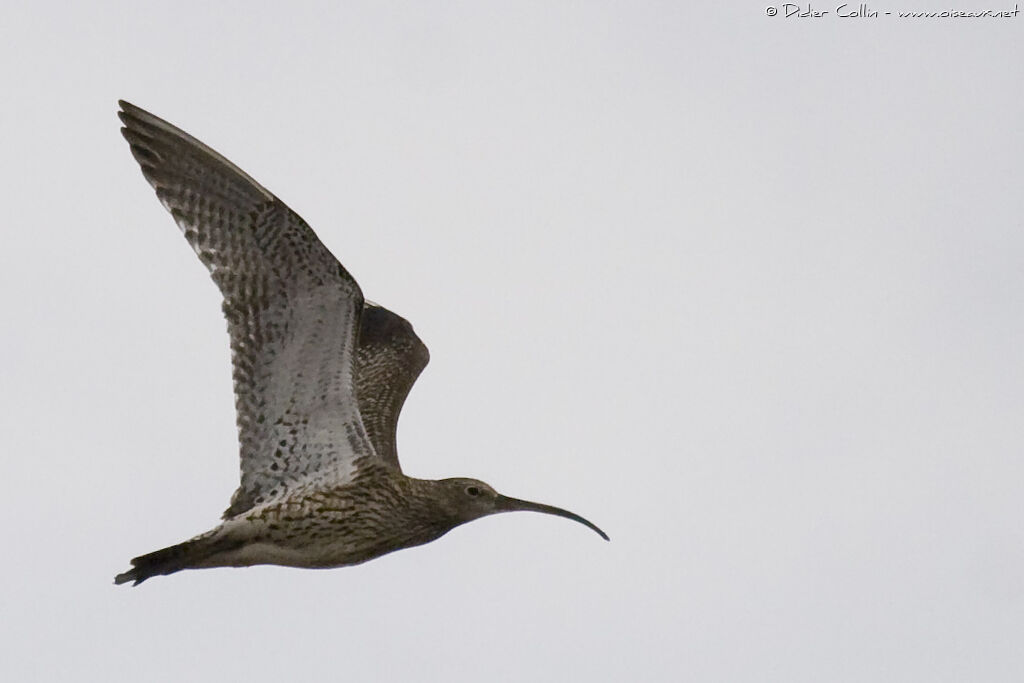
506,504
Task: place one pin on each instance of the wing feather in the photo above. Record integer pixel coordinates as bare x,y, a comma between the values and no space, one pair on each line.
293,313
389,359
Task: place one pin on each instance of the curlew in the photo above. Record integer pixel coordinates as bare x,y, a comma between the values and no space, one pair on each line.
320,376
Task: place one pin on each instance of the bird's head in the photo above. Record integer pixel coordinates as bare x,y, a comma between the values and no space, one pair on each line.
471,499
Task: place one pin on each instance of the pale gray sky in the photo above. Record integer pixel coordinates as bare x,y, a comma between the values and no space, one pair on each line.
744,290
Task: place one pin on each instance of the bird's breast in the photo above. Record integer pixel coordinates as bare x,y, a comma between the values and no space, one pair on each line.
337,527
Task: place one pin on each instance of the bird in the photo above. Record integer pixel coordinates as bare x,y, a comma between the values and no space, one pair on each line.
320,376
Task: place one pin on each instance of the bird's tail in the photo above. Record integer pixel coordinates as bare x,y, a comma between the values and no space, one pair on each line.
169,560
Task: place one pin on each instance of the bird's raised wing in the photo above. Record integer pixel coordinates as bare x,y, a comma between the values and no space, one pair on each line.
293,313
389,358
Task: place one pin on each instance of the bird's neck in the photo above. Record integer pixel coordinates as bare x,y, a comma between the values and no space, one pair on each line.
417,513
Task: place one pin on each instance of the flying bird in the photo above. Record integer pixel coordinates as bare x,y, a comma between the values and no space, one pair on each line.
320,376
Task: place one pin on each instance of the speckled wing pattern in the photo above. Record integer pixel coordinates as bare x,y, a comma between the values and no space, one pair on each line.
293,313
389,358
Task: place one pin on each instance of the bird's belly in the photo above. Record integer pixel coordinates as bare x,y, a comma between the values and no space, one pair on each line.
320,540
290,554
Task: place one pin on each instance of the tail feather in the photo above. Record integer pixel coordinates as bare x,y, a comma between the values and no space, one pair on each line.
165,561
172,559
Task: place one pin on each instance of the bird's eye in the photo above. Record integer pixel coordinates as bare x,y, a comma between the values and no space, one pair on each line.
473,491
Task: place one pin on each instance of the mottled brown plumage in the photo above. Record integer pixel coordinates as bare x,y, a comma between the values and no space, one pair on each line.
320,378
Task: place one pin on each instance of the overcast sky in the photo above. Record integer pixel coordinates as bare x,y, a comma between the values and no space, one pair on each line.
744,290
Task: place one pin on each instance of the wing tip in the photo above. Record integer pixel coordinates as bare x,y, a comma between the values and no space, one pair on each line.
129,113
152,129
